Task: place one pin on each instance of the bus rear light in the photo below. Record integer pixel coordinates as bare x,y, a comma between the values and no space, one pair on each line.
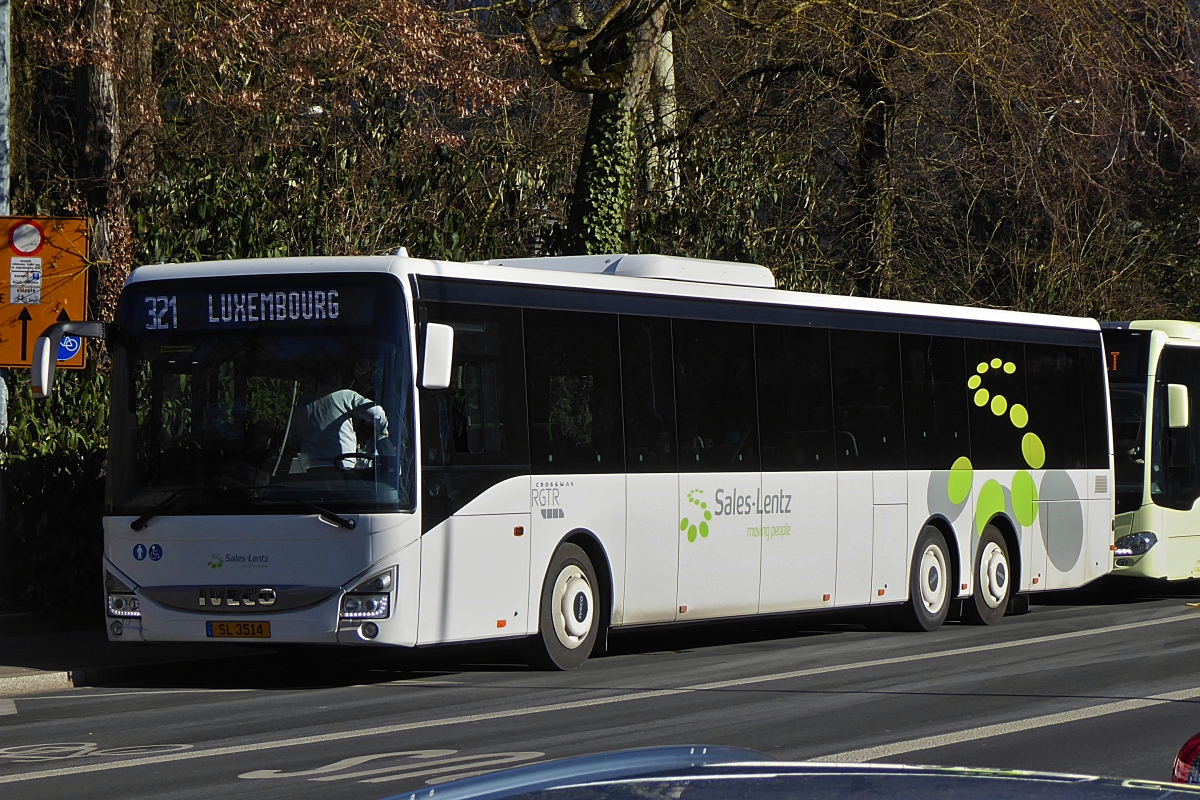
365,606
124,605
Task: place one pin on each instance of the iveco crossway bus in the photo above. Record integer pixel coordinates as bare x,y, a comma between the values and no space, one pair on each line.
399,451
1154,373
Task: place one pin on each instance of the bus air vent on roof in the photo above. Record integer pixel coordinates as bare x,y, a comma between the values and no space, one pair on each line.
649,265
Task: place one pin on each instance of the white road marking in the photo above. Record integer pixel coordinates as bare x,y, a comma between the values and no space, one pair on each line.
345,763
1016,726
7,708
575,704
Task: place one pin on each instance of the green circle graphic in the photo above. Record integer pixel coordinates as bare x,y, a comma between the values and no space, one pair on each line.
958,486
692,533
1019,415
989,504
683,524
974,382
981,397
1033,450
999,405
1024,498
704,530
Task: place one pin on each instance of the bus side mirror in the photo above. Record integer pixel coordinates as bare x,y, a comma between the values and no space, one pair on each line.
438,356
1178,408
45,352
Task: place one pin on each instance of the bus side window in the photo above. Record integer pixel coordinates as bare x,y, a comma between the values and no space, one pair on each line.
574,392
649,395
995,388
1054,378
715,396
795,401
1095,420
935,405
868,410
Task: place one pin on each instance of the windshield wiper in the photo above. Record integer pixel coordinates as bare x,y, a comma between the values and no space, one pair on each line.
165,505
323,513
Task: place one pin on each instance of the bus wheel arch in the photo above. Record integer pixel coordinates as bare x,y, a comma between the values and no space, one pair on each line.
573,605
587,541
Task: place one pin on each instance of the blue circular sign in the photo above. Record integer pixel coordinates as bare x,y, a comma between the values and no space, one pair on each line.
68,348
155,552
139,551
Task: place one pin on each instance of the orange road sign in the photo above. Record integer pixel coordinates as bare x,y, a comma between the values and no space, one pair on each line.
43,279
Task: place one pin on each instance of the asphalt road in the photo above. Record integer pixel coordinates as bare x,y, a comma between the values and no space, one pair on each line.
1100,682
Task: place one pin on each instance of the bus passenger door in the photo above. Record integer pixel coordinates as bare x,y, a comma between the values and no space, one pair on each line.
475,493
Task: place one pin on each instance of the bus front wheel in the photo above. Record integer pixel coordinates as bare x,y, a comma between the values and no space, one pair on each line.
568,622
993,574
929,585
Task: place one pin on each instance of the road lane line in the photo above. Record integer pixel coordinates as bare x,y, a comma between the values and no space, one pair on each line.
7,708
1016,726
571,704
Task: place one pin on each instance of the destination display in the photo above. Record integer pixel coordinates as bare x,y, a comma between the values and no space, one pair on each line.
164,307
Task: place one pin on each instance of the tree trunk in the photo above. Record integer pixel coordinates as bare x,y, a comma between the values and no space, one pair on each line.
658,118
99,151
874,214
605,178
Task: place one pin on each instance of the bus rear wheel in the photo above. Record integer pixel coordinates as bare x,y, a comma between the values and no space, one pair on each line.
993,574
568,622
929,584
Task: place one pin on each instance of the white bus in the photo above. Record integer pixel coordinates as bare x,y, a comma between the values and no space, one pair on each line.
1154,372
399,451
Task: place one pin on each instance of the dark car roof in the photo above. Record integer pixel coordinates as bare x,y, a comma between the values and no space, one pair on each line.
728,773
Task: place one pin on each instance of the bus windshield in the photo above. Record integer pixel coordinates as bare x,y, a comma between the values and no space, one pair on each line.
237,417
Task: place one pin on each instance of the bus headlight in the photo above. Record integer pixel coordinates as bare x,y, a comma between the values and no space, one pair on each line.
1134,544
124,605
365,606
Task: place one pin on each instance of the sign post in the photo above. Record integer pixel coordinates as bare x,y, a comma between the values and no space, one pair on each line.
43,280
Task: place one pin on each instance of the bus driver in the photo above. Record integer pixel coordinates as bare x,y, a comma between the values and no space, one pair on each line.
324,425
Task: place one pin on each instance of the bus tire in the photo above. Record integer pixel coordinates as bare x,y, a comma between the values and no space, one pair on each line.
568,622
993,573
929,584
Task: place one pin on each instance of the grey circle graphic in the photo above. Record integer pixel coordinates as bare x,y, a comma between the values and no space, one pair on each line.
1062,520
937,496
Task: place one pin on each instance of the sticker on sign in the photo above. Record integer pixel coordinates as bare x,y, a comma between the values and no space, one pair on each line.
25,282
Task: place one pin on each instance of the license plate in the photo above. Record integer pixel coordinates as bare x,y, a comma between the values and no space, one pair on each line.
239,630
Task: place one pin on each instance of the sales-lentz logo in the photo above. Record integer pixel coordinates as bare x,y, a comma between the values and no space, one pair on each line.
247,560
733,503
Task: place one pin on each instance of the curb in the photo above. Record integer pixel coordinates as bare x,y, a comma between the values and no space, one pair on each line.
17,685
118,674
